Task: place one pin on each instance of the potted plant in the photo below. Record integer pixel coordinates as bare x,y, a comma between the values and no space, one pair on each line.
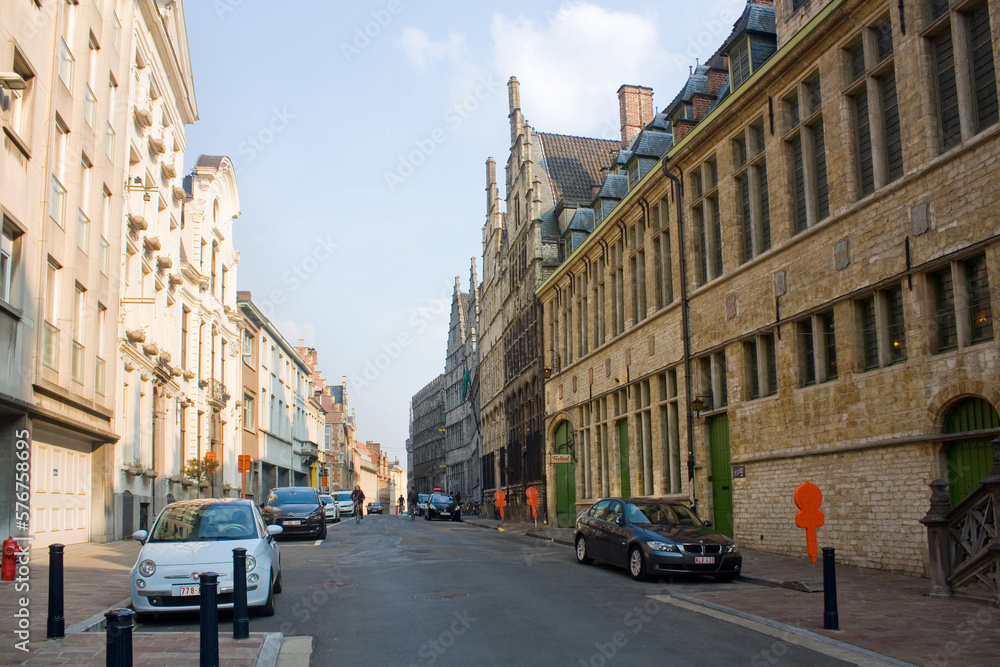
149,473
133,467
201,470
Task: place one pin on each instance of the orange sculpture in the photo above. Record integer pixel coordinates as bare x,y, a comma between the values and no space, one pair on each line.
500,500
808,498
532,495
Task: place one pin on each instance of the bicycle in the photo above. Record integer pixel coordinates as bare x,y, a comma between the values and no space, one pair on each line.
357,511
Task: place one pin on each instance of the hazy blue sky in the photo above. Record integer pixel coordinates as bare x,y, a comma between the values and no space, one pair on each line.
360,131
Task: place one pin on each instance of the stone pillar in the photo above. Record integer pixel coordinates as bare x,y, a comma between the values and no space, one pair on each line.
937,539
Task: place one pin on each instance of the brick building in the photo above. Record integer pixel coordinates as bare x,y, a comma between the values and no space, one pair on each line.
801,288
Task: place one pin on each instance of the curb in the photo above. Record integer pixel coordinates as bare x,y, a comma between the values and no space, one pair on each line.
96,623
270,650
790,633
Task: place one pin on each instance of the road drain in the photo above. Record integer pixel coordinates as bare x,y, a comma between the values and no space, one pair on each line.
441,596
333,584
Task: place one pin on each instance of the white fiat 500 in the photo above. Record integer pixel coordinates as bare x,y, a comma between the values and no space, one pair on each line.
195,536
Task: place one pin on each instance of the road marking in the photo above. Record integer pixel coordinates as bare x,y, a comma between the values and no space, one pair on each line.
317,543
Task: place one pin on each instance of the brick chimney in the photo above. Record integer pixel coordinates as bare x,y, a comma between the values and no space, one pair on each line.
635,107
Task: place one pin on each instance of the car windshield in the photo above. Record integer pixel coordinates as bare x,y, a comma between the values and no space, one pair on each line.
327,499
660,514
191,523
301,496
343,496
440,498
423,497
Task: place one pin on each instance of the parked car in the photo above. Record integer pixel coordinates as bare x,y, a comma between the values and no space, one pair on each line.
344,502
653,538
375,507
194,536
442,506
331,508
422,503
297,509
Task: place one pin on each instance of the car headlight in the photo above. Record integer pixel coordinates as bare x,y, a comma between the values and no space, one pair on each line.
251,563
731,549
140,583
662,546
147,568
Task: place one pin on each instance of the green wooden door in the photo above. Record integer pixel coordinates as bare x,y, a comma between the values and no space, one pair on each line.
969,461
722,474
565,479
626,470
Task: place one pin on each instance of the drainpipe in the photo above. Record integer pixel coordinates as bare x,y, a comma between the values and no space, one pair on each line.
686,330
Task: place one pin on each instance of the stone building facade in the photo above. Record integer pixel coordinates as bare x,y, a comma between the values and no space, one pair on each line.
810,278
426,444
547,177
463,440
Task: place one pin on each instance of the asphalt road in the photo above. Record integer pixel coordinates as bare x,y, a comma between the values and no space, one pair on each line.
391,591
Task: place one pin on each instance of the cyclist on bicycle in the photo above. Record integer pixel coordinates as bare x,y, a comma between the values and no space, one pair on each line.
400,503
358,496
412,501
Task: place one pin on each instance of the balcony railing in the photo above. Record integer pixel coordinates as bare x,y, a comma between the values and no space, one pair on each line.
217,392
99,375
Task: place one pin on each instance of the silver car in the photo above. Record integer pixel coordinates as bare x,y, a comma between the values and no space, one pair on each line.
344,502
331,506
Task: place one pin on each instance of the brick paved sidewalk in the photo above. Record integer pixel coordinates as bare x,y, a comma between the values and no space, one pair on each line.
149,649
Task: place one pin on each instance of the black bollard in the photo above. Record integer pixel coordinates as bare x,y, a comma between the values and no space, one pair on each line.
56,625
831,621
209,589
241,616
119,635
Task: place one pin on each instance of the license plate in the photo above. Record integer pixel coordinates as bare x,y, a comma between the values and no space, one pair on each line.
293,523
184,591
704,560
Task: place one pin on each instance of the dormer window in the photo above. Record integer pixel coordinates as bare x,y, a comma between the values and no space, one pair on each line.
739,63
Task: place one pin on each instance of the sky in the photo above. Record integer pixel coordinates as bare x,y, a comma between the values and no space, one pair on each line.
360,132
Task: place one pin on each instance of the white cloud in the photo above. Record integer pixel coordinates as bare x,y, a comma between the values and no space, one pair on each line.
292,331
571,66
422,50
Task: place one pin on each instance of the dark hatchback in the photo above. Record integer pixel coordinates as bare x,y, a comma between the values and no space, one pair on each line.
654,538
441,506
297,509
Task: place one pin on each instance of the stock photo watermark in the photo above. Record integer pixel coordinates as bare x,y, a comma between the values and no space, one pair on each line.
22,521
433,649
300,272
256,143
635,621
364,34
453,117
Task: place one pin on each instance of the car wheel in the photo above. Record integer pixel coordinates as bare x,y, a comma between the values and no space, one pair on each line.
322,532
277,582
726,578
636,564
268,608
581,551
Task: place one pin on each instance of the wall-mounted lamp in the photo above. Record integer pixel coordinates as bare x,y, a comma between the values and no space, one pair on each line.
547,372
12,81
697,405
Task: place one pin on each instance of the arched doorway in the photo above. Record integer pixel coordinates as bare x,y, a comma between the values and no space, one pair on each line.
969,461
565,477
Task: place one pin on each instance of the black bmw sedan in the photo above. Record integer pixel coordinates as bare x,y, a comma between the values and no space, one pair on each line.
654,538
442,506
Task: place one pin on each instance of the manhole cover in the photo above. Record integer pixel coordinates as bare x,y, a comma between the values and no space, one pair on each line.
333,584
441,596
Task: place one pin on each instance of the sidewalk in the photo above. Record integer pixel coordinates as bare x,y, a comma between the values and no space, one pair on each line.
888,614
95,579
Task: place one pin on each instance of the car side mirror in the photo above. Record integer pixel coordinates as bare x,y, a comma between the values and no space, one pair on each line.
274,529
707,524
140,536
619,520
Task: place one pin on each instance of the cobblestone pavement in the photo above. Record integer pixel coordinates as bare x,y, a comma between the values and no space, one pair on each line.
889,614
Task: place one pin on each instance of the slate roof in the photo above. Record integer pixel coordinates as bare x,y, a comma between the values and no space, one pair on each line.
615,186
582,221
574,164
652,144
211,161
755,18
